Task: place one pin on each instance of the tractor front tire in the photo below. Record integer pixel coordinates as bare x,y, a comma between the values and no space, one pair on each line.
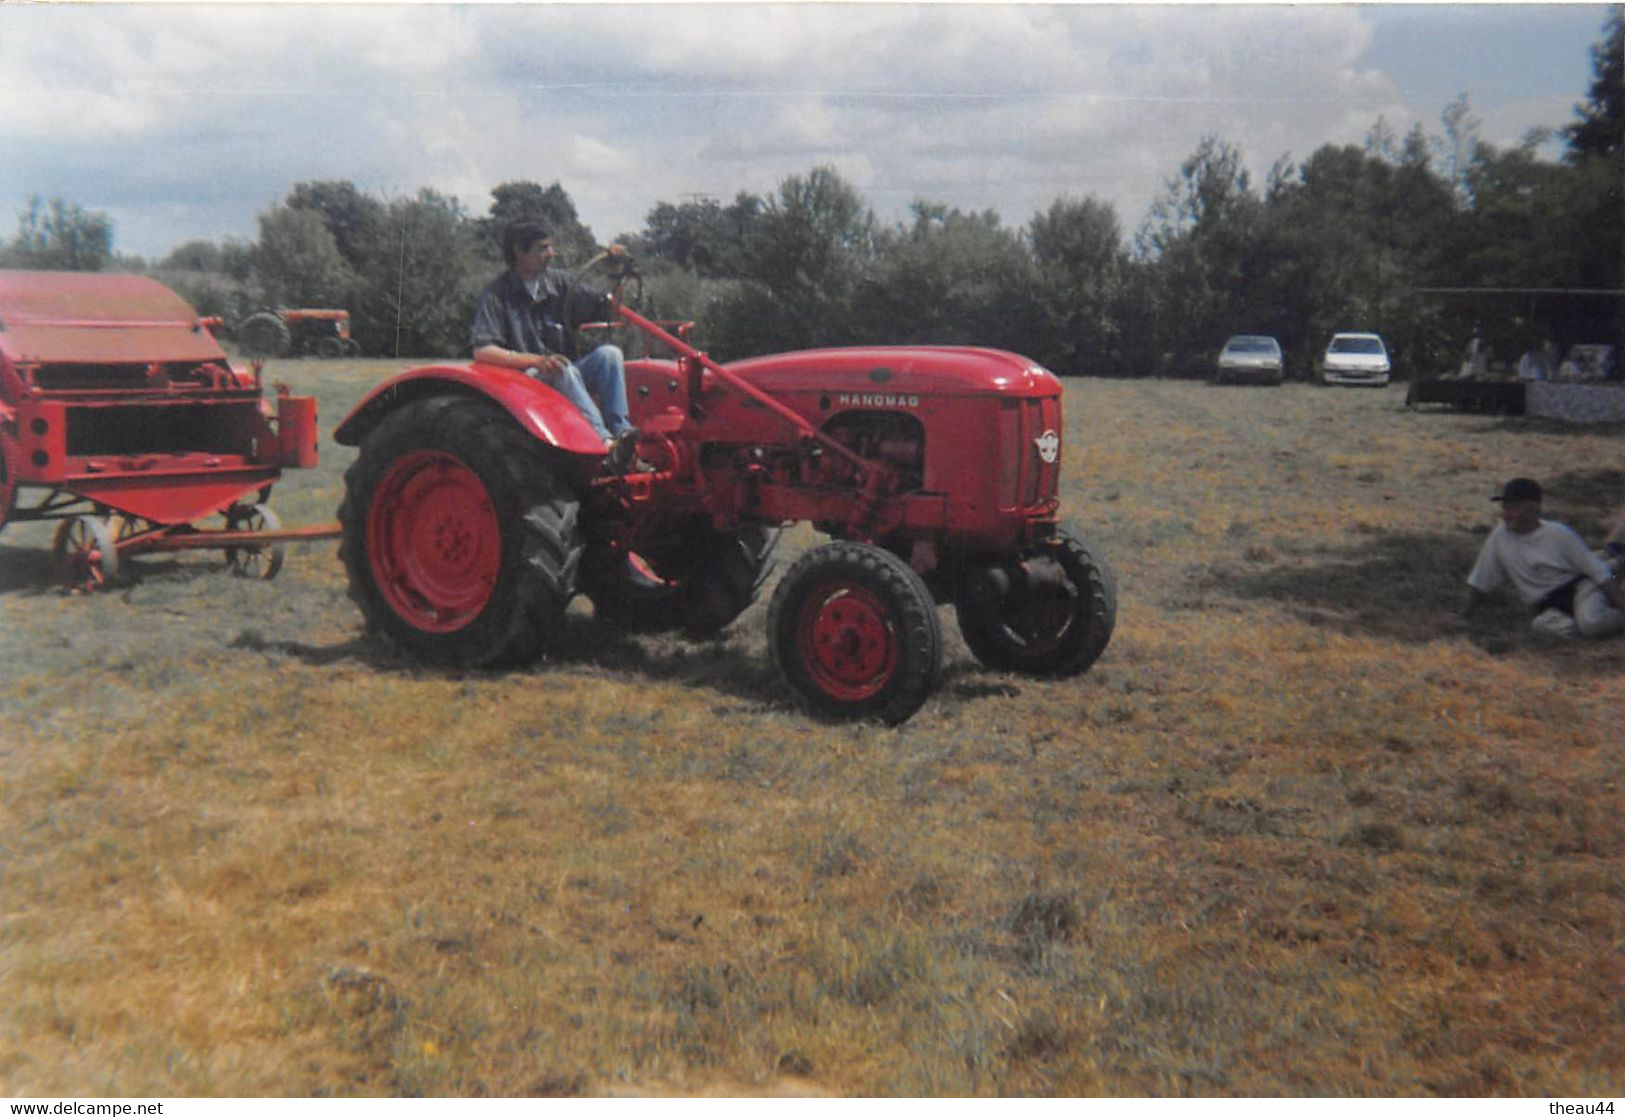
855,635
695,580
264,335
1054,637
459,538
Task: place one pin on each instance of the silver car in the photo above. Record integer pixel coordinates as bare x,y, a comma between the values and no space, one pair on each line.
1355,359
1250,357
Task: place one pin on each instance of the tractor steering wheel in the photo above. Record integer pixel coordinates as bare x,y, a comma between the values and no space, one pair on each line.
581,305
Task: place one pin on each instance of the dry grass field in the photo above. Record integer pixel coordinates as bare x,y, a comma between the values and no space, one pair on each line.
1298,832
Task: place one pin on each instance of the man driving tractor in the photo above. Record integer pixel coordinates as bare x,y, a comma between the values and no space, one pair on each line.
519,324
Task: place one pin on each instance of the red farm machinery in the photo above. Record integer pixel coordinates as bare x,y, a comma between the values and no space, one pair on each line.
122,419
291,333
480,505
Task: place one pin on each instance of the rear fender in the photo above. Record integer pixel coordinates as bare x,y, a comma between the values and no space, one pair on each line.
540,411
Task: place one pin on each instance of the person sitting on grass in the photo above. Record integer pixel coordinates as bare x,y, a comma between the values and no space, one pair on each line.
1571,590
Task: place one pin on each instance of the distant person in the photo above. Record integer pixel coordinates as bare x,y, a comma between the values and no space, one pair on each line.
519,324
1571,590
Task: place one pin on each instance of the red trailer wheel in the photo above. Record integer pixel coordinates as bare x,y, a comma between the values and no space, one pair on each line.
854,633
86,557
258,560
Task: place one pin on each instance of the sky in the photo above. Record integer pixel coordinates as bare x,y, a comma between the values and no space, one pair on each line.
187,121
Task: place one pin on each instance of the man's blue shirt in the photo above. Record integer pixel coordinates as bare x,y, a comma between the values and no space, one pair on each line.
506,315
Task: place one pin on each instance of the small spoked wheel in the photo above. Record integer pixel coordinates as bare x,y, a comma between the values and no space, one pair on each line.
86,556
854,632
124,528
254,560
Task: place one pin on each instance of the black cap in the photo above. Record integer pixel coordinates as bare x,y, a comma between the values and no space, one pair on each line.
1519,488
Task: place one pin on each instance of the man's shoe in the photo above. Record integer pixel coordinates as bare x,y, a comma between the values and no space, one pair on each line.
623,451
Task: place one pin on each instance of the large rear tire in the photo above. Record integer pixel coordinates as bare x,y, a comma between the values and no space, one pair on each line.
459,538
264,335
693,579
1055,630
854,633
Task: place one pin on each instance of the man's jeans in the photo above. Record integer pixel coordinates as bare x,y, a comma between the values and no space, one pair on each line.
596,384
1595,615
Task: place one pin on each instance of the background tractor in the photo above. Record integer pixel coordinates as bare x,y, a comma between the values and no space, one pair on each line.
283,333
479,505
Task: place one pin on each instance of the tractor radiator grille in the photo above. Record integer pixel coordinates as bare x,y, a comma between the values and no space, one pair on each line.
1026,480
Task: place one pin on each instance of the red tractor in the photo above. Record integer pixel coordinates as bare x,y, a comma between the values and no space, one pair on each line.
479,506
283,333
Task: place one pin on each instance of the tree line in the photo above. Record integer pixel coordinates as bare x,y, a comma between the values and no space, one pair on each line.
1425,238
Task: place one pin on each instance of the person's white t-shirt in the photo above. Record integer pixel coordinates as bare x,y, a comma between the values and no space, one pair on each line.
1536,563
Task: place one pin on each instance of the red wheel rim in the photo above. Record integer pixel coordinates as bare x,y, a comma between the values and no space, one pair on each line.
847,642
435,541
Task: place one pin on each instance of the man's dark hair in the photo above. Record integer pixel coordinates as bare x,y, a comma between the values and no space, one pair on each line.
520,236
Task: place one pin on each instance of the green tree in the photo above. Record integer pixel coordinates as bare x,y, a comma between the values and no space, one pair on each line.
1453,151
1201,235
1600,131
298,263
194,255
419,279
702,235
59,235
212,276
1522,230
529,201
1596,151
947,278
804,256
352,216
1344,240
1077,246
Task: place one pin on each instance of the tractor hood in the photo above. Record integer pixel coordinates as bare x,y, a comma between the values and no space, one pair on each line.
907,369
91,318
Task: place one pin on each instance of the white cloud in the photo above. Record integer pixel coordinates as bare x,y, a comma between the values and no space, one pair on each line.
170,110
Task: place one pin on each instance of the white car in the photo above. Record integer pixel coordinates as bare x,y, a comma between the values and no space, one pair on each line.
1355,359
1250,357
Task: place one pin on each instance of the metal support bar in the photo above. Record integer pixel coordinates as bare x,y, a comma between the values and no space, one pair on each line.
206,540
806,429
